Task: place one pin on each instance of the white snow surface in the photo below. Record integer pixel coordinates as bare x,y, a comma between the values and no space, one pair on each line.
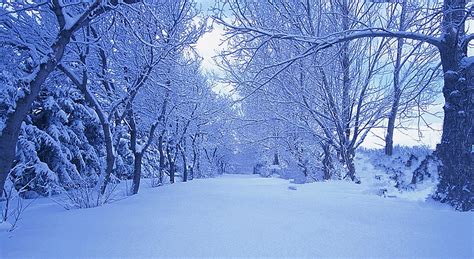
244,215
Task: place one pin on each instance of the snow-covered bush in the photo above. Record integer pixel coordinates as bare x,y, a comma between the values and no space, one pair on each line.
59,146
411,171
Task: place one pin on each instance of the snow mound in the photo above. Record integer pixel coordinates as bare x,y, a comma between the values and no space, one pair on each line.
5,226
393,176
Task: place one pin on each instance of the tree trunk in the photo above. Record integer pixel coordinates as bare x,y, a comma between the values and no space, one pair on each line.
396,87
351,169
304,168
346,75
276,160
92,101
391,127
185,166
171,165
172,172
457,141
456,148
347,151
137,155
162,157
348,158
109,147
110,156
9,135
137,172
198,165
195,165
327,162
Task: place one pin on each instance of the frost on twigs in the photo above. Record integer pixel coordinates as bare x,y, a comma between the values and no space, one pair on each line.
11,208
85,196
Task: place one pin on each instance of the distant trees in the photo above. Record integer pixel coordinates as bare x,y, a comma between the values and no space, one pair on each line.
269,39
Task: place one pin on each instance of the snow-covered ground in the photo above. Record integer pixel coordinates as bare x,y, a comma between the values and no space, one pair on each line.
244,215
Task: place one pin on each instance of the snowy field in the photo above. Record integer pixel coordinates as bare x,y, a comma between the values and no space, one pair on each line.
243,215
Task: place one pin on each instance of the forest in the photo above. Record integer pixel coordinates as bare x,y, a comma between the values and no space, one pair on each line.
111,104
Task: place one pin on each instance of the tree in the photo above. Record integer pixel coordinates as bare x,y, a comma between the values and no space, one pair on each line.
171,31
455,150
18,23
334,96
413,82
60,143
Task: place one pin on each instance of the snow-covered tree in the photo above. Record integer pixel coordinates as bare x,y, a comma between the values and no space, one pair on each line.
40,33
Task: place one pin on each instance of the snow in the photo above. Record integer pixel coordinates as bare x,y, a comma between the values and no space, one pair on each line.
5,226
380,174
70,21
244,215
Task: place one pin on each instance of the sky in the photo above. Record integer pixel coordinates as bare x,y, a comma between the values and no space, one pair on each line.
210,45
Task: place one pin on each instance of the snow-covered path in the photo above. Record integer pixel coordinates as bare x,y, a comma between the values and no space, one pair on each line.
237,215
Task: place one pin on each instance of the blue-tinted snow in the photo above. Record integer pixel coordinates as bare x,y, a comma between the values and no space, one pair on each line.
243,215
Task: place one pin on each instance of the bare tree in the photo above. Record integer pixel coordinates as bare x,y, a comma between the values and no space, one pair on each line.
332,95
413,82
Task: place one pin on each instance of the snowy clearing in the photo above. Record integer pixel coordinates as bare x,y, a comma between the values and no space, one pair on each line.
244,215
